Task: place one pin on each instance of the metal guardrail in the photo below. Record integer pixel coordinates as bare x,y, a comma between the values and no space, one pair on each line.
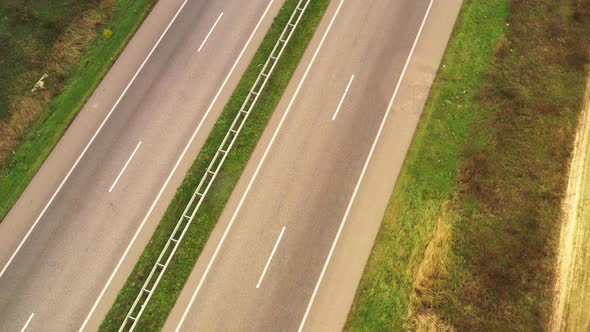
148,288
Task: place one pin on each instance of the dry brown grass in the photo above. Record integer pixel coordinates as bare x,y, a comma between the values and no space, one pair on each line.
24,110
25,107
503,47
431,322
433,267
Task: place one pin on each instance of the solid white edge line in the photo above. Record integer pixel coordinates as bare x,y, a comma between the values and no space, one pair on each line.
274,249
342,99
233,218
343,222
176,166
210,31
124,167
91,140
28,322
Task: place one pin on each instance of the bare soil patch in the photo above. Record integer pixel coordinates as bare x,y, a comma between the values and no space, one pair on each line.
573,269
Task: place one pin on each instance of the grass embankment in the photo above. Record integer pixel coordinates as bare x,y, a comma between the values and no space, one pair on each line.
63,39
469,238
189,250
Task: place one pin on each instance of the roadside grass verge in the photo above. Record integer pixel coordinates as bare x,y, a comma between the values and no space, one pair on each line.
74,54
427,179
180,267
489,164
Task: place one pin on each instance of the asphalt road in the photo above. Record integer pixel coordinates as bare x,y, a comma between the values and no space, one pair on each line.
261,268
51,280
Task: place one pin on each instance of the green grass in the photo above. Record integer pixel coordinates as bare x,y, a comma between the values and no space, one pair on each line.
79,81
427,179
188,252
490,158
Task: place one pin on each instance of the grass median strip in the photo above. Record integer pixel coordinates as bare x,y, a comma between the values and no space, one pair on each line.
81,58
468,240
189,250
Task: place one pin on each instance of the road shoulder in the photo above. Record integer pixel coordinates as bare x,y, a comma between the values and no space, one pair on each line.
336,294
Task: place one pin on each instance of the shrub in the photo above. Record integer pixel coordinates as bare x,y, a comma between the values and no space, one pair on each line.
107,33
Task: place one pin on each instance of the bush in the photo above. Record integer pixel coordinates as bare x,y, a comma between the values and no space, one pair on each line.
107,33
